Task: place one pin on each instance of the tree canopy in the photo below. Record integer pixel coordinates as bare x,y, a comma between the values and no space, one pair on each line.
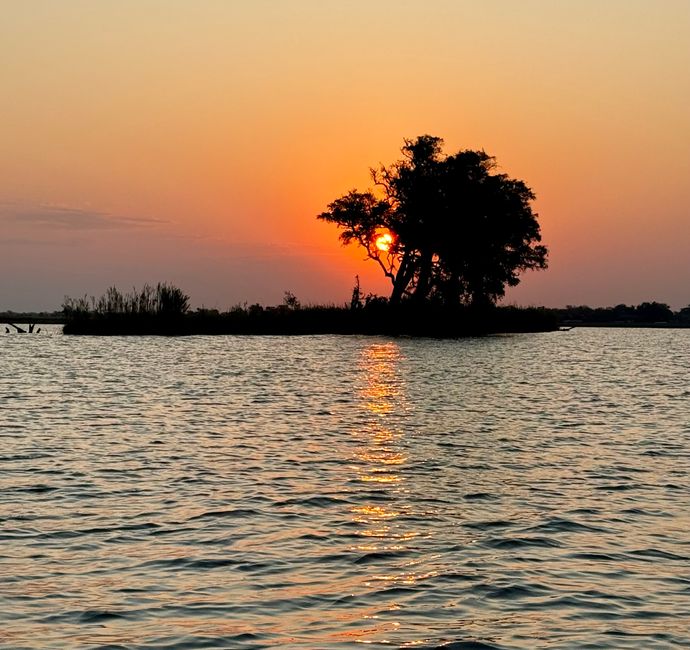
447,228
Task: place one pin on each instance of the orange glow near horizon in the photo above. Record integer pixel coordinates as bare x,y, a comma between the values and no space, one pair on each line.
145,146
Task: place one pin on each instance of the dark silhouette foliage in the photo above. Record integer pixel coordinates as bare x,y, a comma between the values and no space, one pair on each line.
162,300
461,232
151,308
646,313
163,310
653,312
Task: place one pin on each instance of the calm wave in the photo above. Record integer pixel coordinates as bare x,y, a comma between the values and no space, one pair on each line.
325,492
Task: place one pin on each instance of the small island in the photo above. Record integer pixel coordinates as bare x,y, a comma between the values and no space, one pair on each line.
448,231
163,310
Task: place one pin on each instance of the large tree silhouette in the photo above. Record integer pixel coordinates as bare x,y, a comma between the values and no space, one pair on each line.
459,231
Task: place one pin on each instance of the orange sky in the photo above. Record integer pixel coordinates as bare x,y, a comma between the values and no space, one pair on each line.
195,142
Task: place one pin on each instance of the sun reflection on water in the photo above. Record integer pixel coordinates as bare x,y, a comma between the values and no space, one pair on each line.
382,399
383,389
381,456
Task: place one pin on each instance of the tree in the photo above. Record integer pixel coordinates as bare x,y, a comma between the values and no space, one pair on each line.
445,228
653,312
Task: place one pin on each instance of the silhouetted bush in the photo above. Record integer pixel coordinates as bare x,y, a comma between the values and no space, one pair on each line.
160,309
164,310
163,300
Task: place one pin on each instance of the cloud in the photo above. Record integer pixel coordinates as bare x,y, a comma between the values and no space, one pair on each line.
65,218
33,242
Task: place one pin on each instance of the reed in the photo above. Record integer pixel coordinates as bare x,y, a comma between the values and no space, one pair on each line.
163,300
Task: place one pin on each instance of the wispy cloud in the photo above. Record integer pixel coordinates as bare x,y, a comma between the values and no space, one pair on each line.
57,217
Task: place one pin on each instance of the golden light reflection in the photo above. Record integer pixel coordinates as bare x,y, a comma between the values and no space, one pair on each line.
385,512
382,382
381,457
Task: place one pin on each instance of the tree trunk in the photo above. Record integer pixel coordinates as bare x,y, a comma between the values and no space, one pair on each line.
402,279
424,282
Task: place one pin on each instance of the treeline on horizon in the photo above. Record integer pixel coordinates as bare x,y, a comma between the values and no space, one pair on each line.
644,313
165,309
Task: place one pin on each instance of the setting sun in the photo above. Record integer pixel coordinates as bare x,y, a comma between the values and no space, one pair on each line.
384,242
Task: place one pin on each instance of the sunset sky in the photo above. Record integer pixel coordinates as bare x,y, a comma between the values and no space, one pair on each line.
195,142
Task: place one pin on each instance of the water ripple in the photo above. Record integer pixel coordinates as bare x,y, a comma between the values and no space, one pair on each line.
327,492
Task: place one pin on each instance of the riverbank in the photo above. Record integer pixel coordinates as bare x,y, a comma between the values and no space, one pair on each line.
374,320
164,310
628,324
37,318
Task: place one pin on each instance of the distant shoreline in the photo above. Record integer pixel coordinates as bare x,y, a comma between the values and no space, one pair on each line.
618,324
25,318
321,320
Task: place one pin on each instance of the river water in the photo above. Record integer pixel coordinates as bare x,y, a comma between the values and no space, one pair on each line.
526,491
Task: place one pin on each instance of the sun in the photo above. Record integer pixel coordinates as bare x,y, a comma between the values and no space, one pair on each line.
384,242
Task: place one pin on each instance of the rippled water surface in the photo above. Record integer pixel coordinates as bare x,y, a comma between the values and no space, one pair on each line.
525,491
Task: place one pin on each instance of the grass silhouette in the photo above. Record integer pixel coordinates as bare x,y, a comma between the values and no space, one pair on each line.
164,310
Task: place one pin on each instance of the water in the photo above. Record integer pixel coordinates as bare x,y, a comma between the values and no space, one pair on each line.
327,492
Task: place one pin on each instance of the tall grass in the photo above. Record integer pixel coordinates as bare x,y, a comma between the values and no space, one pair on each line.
164,309
163,300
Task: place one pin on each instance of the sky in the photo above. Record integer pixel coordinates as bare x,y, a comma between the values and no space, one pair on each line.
195,142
